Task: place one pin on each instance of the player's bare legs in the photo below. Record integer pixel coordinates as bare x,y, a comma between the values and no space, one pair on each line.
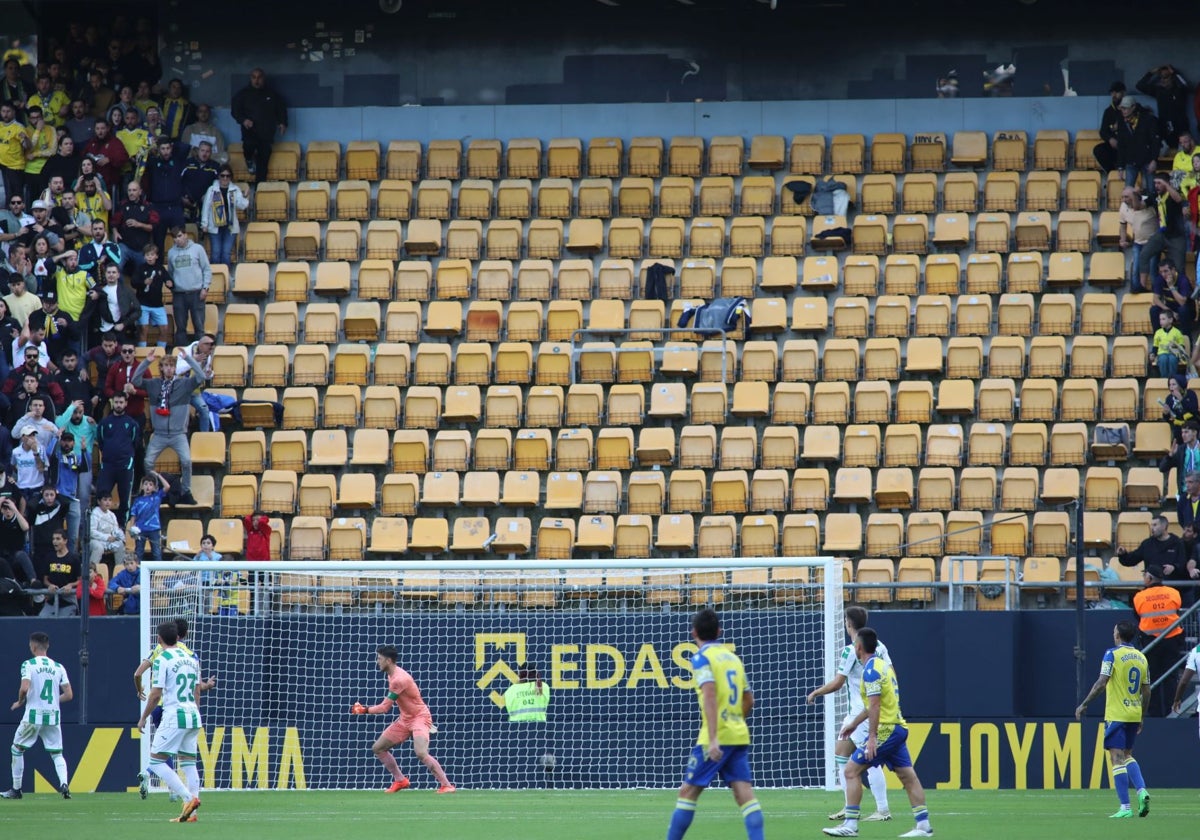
842,750
421,748
743,795
383,751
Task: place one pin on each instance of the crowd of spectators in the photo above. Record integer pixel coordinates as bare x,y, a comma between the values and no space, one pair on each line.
104,166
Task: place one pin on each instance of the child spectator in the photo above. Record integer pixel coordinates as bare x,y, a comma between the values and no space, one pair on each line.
105,532
258,537
97,592
127,584
146,512
1167,335
148,283
226,584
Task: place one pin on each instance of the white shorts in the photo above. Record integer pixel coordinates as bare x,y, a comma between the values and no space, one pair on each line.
28,733
169,739
859,736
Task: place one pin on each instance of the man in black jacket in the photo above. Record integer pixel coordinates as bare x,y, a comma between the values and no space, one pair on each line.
1170,92
1161,548
118,437
262,113
1105,152
1137,143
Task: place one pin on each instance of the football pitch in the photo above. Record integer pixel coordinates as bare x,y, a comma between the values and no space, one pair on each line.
582,815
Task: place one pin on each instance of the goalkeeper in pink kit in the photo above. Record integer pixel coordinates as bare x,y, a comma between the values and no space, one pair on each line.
415,720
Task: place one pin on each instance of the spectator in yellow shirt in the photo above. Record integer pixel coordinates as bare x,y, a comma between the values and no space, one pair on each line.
55,104
135,138
13,143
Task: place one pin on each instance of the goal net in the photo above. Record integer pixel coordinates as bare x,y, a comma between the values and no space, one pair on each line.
292,645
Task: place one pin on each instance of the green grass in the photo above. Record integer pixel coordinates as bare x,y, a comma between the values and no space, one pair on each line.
581,815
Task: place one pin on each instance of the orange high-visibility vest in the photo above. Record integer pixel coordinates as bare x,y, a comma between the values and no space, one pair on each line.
1157,607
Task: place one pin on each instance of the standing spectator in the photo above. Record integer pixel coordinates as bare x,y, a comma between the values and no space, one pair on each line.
149,283
103,356
56,188
43,145
1106,151
146,513
98,253
81,126
177,109
123,105
108,152
218,217
49,517
1181,164
14,533
62,331
1137,143
163,183
55,104
143,98
9,330
72,284
29,459
98,96
72,487
120,381
1172,233
1170,91
205,129
1139,222
134,222
12,86
105,532
91,197
32,366
136,141
42,228
1172,291
258,537
75,384
171,398
97,595
21,303
116,308
1181,406
152,121
20,399
191,275
39,419
127,582
13,143
202,350
262,113
199,173
118,437
65,215
62,576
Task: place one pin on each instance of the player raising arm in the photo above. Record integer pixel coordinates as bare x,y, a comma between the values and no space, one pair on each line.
415,720
887,739
849,674
44,686
723,746
1124,678
1190,671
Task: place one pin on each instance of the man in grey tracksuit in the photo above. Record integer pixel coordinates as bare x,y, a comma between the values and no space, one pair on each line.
168,400
191,275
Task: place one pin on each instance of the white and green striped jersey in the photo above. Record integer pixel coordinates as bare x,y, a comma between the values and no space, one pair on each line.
177,673
46,679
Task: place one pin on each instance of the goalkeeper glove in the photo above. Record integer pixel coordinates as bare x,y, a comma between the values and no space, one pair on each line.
358,709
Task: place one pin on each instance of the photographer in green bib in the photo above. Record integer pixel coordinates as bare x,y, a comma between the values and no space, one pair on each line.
526,702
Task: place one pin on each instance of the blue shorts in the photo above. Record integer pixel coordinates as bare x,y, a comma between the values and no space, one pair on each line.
892,753
1120,734
154,316
156,716
734,766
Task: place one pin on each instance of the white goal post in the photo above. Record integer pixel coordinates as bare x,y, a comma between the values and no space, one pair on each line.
292,645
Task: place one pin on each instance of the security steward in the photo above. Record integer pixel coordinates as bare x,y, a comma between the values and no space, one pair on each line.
1157,607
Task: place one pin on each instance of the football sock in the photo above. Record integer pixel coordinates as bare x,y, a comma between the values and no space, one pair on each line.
1136,782
191,776
753,818
921,815
685,809
18,768
852,815
60,768
1121,783
878,784
841,761
170,777
389,763
435,767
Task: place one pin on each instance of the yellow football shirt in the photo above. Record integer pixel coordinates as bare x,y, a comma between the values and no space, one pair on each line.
716,664
879,680
12,153
1126,667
